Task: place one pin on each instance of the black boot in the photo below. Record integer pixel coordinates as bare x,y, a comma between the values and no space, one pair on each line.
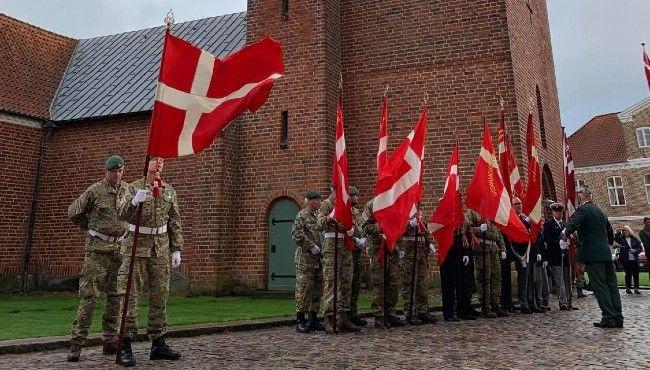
126,354
301,323
313,322
357,321
161,351
395,321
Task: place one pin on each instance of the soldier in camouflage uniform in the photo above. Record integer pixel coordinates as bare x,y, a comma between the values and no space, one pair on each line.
328,227
357,266
95,212
488,247
308,264
381,294
407,249
159,238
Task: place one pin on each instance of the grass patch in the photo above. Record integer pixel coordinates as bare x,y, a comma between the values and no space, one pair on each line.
644,279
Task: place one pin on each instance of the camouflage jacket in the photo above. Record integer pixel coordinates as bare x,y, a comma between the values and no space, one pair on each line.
155,213
370,228
493,238
326,207
305,233
97,209
424,238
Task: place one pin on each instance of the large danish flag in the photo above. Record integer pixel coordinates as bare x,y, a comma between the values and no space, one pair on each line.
487,196
532,203
569,180
198,95
342,207
398,187
449,214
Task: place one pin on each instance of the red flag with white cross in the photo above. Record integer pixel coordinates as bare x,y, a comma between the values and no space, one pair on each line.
198,95
646,65
342,204
532,203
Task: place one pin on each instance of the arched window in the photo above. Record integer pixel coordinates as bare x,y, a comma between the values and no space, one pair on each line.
540,112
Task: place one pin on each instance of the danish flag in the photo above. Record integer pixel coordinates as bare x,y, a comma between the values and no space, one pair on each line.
398,187
342,208
508,163
532,203
569,180
198,95
449,214
487,196
646,65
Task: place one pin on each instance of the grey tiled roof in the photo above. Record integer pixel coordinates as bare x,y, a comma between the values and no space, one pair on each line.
117,74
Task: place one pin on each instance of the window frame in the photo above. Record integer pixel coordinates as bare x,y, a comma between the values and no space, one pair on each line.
616,190
643,133
646,181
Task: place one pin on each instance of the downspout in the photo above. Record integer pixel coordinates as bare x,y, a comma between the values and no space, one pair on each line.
45,133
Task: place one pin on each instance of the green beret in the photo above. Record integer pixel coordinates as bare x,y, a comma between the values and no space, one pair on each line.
114,162
353,191
313,194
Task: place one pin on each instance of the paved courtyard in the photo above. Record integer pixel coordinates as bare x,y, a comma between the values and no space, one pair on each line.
556,339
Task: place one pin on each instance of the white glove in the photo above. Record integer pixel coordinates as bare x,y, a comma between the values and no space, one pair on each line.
527,219
401,254
539,257
544,264
563,245
315,249
360,242
432,248
350,232
465,260
563,234
503,255
483,228
139,196
176,259
413,222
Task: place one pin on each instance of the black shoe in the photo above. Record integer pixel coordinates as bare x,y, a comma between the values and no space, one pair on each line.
126,354
637,291
357,321
161,351
467,317
75,353
538,310
473,312
564,307
395,321
301,324
428,318
380,323
573,308
607,325
628,291
413,320
313,322
452,319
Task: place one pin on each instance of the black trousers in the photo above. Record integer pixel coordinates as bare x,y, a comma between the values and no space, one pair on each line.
450,285
466,285
506,284
631,272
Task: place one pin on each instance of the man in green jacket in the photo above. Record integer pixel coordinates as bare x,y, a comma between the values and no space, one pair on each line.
596,235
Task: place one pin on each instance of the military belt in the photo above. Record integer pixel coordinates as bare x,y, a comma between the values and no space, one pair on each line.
332,235
149,230
486,241
110,239
410,238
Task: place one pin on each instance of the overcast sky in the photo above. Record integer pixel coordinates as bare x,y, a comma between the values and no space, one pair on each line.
596,43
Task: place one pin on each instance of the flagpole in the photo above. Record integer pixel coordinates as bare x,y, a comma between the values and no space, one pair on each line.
484,302
169,22
336,275
384,248
413,271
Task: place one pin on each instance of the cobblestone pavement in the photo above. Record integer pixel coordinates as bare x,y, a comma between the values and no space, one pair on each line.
558,339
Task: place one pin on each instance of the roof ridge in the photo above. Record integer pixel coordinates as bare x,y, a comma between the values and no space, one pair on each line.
34,26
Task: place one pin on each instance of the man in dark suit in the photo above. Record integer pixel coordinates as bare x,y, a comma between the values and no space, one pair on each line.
555,249
597,235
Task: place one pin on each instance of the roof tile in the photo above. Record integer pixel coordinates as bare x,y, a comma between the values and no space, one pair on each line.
600,141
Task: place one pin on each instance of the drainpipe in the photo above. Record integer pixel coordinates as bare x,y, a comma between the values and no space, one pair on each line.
46,129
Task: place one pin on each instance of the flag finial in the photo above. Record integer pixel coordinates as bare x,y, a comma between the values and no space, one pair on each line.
340,80
530,105
425,100
502,102
386,90
169,20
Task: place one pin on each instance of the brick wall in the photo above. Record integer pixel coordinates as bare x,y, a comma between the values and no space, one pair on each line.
18,160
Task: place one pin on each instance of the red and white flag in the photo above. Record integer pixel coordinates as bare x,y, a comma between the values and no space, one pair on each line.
504,167
516,183
487,196
342,208
382,153
198,95
448,216
532,203
646,65
398,186
569,180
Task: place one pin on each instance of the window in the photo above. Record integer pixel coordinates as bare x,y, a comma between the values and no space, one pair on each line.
615,191
580,183
643,137
540,112
284,130
647,187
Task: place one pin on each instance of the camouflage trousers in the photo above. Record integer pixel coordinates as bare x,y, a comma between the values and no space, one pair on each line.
580,276
309,283
149,274
344,277
377,278
357,272
98,276
420,299
488,276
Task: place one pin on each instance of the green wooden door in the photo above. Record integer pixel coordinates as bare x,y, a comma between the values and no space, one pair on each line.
282,272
